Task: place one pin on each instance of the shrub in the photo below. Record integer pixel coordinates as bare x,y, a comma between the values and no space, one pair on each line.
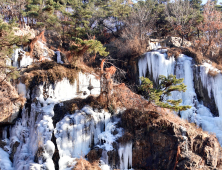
163,90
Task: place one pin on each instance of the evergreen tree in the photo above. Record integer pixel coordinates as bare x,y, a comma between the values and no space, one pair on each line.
166,86
196,4
7,43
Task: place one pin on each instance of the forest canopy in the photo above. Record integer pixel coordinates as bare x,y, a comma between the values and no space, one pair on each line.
84,27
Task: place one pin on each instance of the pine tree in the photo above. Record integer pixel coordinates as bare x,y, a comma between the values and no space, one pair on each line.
7,43
166,86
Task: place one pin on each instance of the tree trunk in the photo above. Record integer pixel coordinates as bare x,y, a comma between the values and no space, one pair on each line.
182,40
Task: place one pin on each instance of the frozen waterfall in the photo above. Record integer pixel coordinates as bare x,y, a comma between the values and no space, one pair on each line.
157,63
75,135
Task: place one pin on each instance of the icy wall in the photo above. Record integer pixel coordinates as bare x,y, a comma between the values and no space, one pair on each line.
30,144
157,63
21,59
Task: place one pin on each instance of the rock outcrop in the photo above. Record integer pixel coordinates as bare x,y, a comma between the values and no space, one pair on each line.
25,31
162,141
41,50
10,103
176,42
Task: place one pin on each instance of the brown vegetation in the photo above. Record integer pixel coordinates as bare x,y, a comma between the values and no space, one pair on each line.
173,52
83,164
130,48
94,155
48,71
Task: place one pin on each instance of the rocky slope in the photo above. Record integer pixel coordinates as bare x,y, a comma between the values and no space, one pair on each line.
162,140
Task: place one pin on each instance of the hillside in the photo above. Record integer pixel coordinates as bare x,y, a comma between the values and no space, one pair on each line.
107,85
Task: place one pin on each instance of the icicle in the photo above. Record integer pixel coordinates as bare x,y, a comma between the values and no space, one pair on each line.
21,89
5,163
4,133
59,60
15,56
76,133
125,154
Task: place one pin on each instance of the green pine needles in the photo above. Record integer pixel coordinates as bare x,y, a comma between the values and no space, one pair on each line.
166,86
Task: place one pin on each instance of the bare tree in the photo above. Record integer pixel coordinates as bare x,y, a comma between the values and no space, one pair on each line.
181,16
211,27
141,21
11,9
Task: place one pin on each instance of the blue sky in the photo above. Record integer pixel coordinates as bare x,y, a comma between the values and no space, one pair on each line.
204,1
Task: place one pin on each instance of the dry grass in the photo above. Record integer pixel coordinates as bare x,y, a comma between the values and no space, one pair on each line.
78,103
125,138
212,73
94,155
173,52
197,56
83,164
50,71
130,48
176,51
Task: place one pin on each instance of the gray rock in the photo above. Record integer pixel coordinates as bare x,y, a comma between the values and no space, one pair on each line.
176,42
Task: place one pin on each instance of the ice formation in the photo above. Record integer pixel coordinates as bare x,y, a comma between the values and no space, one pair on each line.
30,143
75,134
19,58
34,130
125,154
59,60
154,45
156,63
5,163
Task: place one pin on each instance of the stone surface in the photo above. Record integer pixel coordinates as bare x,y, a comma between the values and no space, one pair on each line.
164,142
25,31
176,42
14,148
10,103
39,52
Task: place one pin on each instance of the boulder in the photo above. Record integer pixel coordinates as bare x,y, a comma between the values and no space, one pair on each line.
176,42
41,50
25,31
10,103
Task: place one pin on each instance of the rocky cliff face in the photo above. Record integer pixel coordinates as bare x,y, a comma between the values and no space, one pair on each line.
162,140
11,103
